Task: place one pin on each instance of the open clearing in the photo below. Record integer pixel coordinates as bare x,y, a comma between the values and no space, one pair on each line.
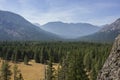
33,71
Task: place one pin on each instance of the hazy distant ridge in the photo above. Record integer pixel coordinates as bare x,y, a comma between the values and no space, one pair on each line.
70,30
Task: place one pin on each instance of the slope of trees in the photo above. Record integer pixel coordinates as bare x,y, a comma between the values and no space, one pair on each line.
77,60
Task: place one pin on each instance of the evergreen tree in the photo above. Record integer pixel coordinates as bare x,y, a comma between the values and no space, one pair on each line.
45,77
63,71
13,58
93,55
41,56
50,70
5,71
36,57
87,61
17,73
20,77
26,60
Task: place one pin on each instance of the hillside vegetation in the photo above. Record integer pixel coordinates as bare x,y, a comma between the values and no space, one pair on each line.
77,60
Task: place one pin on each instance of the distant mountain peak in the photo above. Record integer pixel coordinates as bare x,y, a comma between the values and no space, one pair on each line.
118,19
106,34
55,23
112,27
70,30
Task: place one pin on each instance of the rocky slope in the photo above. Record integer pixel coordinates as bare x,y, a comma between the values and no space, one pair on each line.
107,34
111,68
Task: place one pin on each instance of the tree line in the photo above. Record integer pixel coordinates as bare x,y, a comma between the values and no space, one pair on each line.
6,73
77,60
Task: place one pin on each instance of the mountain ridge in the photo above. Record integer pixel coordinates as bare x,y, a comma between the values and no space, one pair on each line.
106,34
15,27
70,30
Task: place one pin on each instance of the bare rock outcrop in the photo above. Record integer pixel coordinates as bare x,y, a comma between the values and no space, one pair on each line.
111,68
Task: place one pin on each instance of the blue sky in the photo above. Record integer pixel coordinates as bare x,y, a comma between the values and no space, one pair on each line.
98,12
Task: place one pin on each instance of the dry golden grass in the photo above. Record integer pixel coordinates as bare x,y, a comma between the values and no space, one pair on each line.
33,71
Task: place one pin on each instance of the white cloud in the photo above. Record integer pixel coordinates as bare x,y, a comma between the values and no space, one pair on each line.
57,11
65,15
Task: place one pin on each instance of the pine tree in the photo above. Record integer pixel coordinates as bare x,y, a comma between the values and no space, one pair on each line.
63,70
87,61
41,56
13,58
37,57
5,71
20,77
16,56
50,70
16,72
26,60
72,68
45,77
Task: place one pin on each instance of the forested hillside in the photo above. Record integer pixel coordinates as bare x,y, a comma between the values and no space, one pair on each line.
76,60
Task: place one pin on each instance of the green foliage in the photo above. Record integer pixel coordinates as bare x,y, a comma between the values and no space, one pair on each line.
26,59
75,58
50,70
17,73
72,67
5,71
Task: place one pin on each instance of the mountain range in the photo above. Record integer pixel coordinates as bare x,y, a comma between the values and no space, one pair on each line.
70,30
15,27
106,34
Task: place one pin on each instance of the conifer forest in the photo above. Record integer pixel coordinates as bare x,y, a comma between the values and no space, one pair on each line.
76,60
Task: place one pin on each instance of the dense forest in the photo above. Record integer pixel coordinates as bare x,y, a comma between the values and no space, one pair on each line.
77,60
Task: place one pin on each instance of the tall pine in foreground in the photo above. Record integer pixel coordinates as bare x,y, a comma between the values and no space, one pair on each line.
72,68
26,60
5,71
50,70
17,74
